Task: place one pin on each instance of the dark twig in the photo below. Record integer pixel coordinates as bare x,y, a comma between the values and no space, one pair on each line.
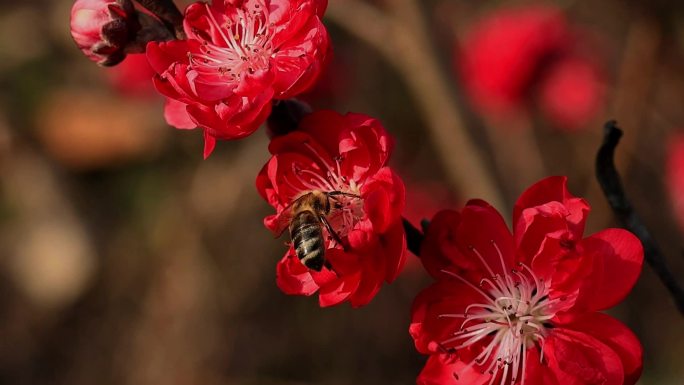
168,13
285,116
414,237
609,179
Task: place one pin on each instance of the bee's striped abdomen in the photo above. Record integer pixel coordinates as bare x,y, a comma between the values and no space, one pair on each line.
307,238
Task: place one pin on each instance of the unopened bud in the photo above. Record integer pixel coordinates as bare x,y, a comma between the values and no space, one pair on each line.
103,28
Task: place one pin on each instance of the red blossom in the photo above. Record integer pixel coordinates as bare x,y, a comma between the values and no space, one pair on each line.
103,28
522,307
514,55
348,153
239,55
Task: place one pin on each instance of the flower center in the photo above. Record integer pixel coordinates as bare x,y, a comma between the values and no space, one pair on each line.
513,316
243,45
346,209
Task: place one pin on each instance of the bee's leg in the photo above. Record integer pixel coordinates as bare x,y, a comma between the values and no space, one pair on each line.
332,232
336,202
334,193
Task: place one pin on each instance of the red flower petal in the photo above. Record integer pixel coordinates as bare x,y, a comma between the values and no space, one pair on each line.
367,289
563,267
343,263
338,290
616,257
331,122
283,168
290,16
393,246
433,310
446,369
251,85
264,183
294,278
384,198
484,242
366,145
616,336
547,209
439,245
537,373
176,114
551,189
578,359
161,55
308,58
209,144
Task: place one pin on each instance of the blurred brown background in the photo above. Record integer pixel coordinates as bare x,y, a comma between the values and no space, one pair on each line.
127,259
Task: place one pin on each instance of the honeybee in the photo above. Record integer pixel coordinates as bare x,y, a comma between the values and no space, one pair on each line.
307,216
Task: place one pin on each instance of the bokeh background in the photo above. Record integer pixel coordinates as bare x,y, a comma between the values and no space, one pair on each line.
127,259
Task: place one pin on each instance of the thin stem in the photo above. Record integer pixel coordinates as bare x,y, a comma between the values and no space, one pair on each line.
414,237
609,179
168,13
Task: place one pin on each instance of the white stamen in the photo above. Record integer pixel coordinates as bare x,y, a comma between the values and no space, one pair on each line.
347,210
244,45
512,319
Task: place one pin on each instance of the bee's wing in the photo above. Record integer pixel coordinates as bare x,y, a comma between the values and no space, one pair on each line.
281,222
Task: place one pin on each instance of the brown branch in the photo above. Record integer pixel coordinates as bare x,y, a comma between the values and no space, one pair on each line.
403,39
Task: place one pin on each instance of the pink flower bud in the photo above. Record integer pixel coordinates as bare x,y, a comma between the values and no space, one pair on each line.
103,28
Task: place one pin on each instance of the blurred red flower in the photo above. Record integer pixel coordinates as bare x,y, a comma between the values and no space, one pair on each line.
103,28
238,56
132,77
348,153
522,307
521,54
675,175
